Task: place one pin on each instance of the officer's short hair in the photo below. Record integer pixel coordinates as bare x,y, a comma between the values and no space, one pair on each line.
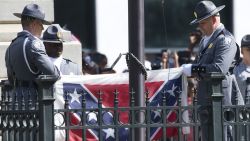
26,20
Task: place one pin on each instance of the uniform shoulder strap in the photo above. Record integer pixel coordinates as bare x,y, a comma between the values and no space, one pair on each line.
25,57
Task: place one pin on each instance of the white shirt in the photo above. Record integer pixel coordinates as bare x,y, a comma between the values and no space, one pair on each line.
57,62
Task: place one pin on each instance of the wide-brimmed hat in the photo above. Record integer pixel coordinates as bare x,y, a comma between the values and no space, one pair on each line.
33,10
52,34
245,41
205,9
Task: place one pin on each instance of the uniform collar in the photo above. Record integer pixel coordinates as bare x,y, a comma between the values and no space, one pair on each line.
24,33
214,34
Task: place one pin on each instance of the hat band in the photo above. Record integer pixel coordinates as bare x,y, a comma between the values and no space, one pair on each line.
204,15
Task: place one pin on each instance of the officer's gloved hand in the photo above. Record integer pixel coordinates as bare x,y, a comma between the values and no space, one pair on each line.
186,69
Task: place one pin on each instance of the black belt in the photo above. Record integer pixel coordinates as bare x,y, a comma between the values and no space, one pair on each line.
23,83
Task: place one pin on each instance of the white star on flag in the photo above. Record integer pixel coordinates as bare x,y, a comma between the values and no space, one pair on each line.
171,92
157,112
91,116
75,97
109,133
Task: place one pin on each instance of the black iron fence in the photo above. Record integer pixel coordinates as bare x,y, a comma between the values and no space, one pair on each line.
28,118
27,113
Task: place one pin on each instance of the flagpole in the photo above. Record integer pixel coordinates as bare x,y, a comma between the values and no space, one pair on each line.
136,47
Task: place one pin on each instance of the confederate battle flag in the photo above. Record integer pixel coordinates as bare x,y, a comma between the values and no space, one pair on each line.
171,81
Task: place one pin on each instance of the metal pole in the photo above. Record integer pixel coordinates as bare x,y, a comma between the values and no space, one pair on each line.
46,106
136,47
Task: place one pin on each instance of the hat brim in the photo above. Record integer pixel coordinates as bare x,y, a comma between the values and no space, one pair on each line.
195,21
19,15
52,41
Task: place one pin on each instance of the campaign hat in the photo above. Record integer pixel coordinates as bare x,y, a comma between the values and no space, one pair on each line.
204,10
34,11
52,34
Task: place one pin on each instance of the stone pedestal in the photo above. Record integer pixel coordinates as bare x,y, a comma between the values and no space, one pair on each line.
8,7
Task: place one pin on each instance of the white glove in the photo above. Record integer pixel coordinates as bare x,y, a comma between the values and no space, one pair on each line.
186,69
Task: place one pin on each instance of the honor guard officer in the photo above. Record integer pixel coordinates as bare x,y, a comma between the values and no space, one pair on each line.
218,52
26,58
53,42
242,71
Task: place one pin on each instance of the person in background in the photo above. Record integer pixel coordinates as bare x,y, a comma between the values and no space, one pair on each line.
189,55
95,63
166,60
218,52
52,39
147,64
88,66
242,70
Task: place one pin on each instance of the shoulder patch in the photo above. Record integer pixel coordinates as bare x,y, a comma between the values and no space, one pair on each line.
37,44
228,40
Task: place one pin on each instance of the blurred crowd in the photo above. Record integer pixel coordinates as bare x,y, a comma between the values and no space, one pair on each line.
96,63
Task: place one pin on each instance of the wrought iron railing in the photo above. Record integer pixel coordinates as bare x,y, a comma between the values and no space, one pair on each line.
27,113
23,120
117,113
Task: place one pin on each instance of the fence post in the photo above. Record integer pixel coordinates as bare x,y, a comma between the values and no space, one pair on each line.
46,106
247,92
247,103
5,87
215,82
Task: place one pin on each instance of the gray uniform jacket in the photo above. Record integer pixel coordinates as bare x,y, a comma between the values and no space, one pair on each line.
242,72
216,56
67,67
26,59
